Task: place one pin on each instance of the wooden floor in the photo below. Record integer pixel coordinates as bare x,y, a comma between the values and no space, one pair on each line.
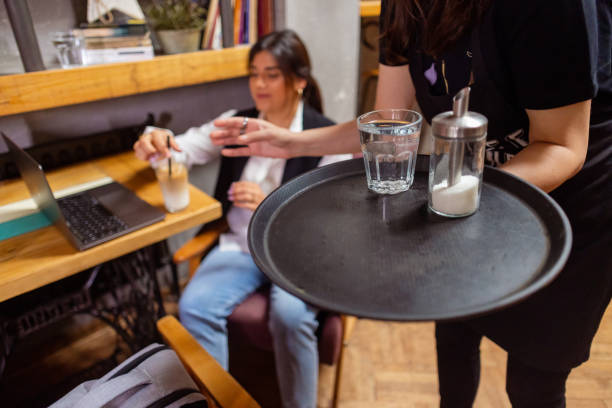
392,365
387,365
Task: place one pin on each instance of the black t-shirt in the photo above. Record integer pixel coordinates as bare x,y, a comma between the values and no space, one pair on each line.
543,54
551,53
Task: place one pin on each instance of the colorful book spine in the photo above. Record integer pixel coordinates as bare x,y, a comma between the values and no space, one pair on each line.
123,54
211,20
237,21
265,17
244,21
116,31
116,42
216,41
252,21
227,22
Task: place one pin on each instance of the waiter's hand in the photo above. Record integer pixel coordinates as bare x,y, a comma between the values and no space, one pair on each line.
245,194
155,143
257,138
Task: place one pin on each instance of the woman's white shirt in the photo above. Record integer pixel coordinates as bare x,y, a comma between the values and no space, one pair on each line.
263,171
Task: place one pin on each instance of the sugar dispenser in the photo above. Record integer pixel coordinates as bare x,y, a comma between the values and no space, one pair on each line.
457,161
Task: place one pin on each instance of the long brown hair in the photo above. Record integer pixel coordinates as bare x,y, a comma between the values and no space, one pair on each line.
431,25
293,60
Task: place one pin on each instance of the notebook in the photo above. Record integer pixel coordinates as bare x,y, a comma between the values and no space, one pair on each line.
90,217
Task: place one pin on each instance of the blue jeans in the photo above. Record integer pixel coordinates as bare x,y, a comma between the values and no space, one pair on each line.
226,278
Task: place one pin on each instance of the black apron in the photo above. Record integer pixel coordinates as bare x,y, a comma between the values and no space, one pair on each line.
552,329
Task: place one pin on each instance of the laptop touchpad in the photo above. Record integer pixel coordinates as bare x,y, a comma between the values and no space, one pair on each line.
126,205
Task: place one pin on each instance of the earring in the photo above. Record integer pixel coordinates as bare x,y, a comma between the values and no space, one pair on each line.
300,91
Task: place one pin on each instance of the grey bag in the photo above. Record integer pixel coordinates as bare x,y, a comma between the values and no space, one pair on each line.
152,378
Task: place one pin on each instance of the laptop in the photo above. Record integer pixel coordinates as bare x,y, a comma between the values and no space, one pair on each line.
90,217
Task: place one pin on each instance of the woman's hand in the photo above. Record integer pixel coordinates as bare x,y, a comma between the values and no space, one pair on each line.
259,138
154,143
245,194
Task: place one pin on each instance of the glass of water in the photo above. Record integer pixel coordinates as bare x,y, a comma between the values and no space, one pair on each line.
389,142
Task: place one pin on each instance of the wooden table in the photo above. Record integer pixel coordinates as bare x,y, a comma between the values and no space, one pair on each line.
40,257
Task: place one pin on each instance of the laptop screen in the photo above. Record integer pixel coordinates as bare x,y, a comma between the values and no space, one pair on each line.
34,177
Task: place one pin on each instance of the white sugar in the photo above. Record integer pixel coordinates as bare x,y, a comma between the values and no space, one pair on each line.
459,199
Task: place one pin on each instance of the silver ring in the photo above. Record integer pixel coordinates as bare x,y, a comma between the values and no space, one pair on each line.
245,122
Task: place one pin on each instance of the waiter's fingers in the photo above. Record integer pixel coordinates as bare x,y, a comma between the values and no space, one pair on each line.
237,152
248,205
242,196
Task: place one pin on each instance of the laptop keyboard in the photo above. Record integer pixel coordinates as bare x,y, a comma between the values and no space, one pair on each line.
88,219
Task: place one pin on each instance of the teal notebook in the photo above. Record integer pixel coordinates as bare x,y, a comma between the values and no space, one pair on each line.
22,225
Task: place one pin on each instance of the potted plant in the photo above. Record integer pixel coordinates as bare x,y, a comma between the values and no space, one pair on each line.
177,24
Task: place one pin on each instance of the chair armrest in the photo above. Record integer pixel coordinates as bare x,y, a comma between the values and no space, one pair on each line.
201,243
203,368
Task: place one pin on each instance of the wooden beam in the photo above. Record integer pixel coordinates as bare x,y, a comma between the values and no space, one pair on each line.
49,89
370,8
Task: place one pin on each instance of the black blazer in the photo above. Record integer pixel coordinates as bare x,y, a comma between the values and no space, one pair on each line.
232,167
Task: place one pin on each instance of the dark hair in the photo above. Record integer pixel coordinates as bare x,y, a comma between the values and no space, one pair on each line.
293,60
440,24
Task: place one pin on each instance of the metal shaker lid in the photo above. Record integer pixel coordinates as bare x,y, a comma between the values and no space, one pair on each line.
460,123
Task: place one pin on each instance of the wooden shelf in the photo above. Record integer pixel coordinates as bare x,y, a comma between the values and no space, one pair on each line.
62,87
53,88
369,8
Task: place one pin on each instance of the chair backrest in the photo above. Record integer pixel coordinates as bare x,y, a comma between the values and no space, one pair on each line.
210,377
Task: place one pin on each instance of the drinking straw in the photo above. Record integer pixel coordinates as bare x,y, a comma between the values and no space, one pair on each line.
169,158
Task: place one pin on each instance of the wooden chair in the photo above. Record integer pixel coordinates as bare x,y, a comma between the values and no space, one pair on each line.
221,389
247,325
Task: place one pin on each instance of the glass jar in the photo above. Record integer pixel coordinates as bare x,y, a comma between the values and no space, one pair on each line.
70,49
457,161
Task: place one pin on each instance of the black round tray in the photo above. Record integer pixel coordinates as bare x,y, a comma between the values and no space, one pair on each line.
327,239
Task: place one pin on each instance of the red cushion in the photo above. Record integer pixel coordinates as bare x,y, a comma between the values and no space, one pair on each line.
248,324
330,337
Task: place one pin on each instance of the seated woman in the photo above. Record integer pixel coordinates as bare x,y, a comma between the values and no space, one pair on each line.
285,94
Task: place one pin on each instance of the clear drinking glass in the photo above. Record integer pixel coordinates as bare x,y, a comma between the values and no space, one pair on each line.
69,49
389,142
173,179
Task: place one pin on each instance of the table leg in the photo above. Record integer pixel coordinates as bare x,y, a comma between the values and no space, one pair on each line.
124,293
130,299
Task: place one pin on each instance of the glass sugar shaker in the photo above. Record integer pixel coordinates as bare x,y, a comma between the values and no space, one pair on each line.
457,161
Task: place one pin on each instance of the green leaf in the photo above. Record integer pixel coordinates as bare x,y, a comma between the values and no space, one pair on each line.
175,15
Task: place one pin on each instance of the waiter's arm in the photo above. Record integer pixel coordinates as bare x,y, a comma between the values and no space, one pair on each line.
395,89
558,141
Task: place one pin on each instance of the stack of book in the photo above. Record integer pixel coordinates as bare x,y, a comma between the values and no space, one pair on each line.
115,43
234,22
